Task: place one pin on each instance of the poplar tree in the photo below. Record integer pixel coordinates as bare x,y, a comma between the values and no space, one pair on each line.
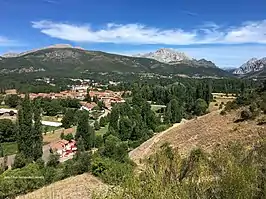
37,134
83,130
25,138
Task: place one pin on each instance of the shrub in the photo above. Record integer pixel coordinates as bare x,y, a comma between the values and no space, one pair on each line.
98,141
96,125
246,114
161,128
19,161
110,171
223,112
53,160
216,104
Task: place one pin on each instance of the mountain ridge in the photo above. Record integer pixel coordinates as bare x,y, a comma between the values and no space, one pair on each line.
252,65
171,56
65,60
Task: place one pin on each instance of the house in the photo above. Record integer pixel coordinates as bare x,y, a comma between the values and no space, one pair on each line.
87,106
64,148
11,92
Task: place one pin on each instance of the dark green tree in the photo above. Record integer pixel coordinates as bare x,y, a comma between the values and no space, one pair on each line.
69,137
12,100
25,135
83,130
7,131
114,117
68,119
110,146
53,160
200,107
88,97
19,161
80,145
1,151
96,125
125,128
103,121
100,104
174,111
98,141
37,138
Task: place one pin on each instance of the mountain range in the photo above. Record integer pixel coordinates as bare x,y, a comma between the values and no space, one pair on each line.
252,68
65,60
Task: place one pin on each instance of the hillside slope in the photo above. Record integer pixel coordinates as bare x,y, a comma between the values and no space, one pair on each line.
65,61
205,132
78,187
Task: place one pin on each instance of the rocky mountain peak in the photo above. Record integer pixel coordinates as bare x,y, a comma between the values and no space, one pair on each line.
166,55
252,65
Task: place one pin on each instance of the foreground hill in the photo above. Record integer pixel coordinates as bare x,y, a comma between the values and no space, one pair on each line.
63,61
205,132
78,187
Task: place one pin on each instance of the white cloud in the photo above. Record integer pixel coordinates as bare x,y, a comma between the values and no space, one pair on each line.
209,33
7,42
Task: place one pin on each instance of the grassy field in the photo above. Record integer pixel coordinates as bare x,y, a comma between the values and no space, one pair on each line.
220,98
54,137
51,118
102,131
10,148
4,106
156,107
50,128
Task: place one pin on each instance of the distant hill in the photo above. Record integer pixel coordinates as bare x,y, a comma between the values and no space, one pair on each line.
253,68
66,60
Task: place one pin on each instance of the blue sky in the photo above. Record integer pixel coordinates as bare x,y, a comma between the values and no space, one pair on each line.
227,32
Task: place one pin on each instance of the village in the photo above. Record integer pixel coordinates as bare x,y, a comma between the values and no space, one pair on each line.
53,140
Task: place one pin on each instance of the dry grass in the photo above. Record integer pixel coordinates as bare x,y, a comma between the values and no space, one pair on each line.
78,187
55,136
220,98
205,132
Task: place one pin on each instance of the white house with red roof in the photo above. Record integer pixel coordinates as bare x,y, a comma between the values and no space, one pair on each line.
64,148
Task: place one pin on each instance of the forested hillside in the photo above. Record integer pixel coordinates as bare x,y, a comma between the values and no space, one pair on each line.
230,170
61,62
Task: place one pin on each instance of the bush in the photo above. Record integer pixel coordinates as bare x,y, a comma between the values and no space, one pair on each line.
216,104
10,186
110,171
262,121
223,112
19,161
226,173
98,141
53,160
231,106
200,107
246,114
12,100
96,125
161,128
